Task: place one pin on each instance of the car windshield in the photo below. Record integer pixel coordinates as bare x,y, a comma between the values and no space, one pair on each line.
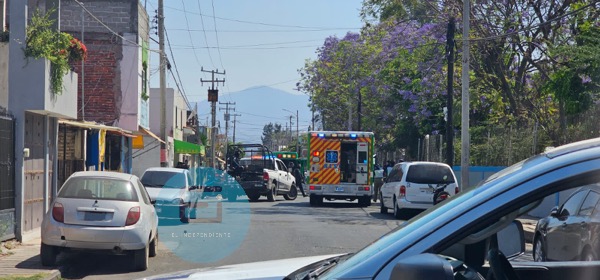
164,179
429,174
98,188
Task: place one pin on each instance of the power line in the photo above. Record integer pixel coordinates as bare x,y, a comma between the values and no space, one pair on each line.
254,22
205,38
216,33
189,33
110,29
265,31
180,88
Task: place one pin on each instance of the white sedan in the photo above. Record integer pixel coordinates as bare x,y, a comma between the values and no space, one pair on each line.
101,211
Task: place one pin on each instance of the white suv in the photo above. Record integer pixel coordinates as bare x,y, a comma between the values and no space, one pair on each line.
410,185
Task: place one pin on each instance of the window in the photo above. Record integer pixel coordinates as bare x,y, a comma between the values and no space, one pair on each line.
159,179
571,205
589,204
143,193
428,173
98,188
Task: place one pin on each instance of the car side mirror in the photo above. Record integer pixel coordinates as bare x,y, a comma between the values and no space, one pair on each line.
193,188
423,266
554,211
153,201
511,239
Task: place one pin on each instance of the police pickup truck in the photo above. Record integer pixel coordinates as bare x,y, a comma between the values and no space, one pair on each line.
260,173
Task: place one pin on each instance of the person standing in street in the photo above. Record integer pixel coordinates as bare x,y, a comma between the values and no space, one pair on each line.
299,178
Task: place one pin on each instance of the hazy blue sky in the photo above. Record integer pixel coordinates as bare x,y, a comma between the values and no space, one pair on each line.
260,42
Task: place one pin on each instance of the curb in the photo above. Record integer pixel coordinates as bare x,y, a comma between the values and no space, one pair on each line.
54,275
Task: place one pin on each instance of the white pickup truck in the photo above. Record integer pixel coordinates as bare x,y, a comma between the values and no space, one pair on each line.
260,173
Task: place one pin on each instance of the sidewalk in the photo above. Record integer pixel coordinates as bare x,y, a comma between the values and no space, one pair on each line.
23,259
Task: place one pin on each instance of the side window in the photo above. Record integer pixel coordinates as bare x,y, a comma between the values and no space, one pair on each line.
392,175
589,204
143,192
280,165
571,205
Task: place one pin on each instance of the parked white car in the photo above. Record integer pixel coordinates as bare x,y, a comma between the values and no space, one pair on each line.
101,210
410,185
173,191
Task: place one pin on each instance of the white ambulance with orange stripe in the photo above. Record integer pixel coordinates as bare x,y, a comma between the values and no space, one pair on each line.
340,165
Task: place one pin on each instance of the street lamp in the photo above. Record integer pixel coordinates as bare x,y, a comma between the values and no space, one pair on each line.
297,129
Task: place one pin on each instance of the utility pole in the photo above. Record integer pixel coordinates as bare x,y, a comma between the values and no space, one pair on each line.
82,65
213,98
196,119
464,135
163,85
227,122
449,95
297,134
234,121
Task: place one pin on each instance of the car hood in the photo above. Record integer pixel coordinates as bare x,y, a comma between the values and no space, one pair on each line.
275,269
166,194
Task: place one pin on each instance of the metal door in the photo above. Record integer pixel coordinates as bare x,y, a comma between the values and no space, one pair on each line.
7,179
362,163
33,208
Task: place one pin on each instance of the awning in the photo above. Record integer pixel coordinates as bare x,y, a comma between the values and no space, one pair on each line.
93,125
182,147
150,133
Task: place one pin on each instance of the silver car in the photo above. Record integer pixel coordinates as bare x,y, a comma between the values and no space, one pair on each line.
104,211
174,191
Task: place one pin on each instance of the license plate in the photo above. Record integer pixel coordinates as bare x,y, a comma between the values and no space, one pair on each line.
339,189
94,216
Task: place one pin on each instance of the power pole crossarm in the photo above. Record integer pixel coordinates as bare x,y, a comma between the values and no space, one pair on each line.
213,98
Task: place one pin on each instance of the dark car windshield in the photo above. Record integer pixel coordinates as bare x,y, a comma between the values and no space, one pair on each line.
98,188
429,174
166,179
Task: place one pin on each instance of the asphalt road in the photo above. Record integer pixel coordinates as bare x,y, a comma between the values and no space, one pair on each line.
275,230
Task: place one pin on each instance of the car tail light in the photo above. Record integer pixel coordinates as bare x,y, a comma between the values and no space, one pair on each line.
312,188
265,176
58,212
133,216
443,196
456,190
402,191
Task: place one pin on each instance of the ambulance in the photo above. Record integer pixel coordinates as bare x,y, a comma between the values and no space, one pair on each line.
340,166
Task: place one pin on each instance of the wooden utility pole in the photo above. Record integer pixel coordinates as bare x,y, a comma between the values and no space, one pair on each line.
213,98
464,133
450,43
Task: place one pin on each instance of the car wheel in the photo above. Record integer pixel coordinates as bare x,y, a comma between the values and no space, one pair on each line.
293,194
539,254
271,195
253,197
183,214
364,201
382,208
316,200
397,212
48,255
588,255
153,247
140,259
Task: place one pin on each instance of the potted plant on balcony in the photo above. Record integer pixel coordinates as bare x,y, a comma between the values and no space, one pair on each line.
60,48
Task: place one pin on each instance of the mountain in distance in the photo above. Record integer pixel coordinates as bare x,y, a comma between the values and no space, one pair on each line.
257,107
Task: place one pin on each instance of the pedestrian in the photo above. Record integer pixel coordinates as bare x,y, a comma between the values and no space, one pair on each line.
299,178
